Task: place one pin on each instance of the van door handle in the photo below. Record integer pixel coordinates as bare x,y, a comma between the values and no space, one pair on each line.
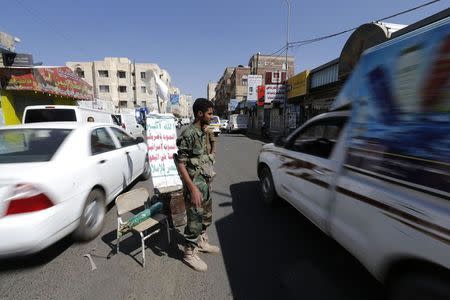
102,161
319,171
127,152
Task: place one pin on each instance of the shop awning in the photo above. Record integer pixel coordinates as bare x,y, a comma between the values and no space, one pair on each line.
60,81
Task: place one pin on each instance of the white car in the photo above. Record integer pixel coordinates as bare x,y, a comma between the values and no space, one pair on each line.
57,178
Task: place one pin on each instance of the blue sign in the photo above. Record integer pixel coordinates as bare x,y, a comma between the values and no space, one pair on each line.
174,99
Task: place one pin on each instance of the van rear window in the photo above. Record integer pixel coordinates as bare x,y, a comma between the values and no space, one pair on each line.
50,115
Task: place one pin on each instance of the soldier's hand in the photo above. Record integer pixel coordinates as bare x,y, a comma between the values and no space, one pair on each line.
196,197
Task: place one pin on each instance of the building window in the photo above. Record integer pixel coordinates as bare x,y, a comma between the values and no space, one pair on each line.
244,80
142,75
79,72
103,73
143,89
123,104
121,74
104,88
122,89
144,104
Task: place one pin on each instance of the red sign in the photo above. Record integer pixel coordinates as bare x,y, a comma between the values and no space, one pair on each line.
261,93
60,81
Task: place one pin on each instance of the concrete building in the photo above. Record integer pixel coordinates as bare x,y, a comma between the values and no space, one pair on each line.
127,84
260,64
211,91
239,83
223,91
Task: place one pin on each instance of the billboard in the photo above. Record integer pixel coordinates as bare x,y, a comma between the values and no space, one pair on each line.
233,104
174,99
253,81
60,81
299,84
274,92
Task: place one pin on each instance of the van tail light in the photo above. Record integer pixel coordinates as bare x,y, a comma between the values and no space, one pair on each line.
27,198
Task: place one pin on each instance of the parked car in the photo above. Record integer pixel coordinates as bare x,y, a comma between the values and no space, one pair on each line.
237,123
66,113
130,124
57,178
215,125
376,177
223,125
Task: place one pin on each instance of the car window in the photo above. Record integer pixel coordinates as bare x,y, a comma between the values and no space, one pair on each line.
318,138
124,139
30,145
49,115
101,141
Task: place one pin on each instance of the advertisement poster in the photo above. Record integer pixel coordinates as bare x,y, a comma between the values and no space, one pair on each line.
161,141
253,81
274,92
401,111
60,81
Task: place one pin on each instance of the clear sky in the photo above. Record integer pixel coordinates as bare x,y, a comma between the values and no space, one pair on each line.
193,39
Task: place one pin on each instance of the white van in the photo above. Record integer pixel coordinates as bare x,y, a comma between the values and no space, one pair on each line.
237,122
65,113
130,124
214,126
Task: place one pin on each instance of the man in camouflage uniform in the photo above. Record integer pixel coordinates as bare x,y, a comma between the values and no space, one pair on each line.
195,166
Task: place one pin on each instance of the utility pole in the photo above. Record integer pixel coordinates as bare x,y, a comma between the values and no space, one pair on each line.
288,2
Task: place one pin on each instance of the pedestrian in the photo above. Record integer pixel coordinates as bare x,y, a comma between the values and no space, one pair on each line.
195,166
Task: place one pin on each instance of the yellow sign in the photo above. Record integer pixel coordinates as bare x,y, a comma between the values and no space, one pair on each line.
299,84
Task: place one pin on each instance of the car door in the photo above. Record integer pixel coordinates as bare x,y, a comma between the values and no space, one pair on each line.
109,163
308,169
133,152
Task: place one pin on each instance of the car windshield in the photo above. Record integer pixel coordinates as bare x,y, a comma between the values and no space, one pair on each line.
30,145
215,120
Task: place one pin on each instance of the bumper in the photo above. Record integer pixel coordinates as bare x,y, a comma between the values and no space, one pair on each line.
29,233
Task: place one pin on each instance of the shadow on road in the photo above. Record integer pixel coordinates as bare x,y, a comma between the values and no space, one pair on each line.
43,257
276,252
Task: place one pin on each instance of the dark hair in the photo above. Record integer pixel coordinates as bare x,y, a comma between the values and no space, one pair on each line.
201,104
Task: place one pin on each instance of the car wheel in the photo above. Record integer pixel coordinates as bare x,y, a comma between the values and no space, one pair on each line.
269,195
146,173
92,217
415,286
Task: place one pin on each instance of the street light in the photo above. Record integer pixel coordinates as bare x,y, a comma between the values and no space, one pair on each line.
288,2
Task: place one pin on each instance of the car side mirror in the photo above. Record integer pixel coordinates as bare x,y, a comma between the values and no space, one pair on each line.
139,140
280,141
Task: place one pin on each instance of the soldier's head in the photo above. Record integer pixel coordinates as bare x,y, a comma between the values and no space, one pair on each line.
203,111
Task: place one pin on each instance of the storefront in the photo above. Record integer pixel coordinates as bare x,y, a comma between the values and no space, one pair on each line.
21,87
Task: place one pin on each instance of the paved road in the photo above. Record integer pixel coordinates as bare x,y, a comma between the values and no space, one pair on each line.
266,253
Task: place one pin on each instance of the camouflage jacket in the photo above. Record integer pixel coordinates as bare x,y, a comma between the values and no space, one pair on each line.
192,151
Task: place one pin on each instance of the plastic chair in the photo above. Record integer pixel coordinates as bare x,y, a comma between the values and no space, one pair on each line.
132,200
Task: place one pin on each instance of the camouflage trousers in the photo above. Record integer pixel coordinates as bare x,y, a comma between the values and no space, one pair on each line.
198,219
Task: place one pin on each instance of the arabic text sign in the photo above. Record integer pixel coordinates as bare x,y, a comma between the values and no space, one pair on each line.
274,92
161,141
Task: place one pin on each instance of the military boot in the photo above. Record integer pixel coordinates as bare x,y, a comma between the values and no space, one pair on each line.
192,259
204,246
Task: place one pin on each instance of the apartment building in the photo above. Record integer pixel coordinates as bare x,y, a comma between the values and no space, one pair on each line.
125,83
211,91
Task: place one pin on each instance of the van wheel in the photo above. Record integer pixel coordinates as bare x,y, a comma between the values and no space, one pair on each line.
92,217
269,195
146,173
416,286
